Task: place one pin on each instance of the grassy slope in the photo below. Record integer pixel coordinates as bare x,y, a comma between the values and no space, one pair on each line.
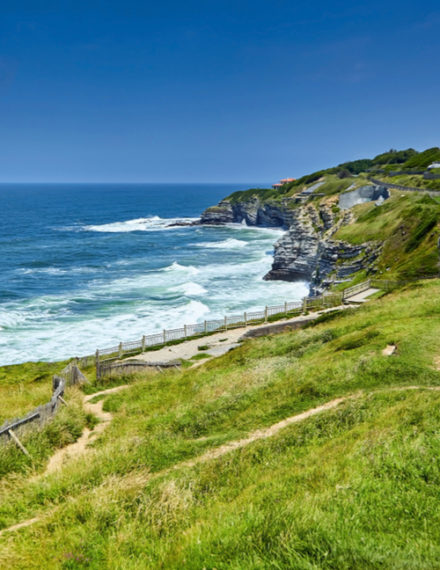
354,487
413,181
408,225
408,159
25,386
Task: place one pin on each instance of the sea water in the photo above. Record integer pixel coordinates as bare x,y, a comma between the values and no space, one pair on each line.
86,266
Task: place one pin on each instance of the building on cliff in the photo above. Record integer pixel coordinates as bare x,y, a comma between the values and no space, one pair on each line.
282,182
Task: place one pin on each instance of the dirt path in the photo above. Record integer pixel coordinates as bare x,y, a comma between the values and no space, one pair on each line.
88,436
209,455
259,434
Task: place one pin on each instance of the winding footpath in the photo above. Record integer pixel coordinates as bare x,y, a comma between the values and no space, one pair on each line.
88,436
79,447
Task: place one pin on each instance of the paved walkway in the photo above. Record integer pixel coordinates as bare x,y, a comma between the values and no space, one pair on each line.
363,295
221,342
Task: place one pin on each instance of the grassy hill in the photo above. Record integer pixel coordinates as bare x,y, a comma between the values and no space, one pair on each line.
307,449
356,173
407,228
354,486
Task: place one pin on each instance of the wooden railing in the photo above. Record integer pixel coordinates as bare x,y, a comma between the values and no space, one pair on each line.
40,415
289,308
123,349
355,289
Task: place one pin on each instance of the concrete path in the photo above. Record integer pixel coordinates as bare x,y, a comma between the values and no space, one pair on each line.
363,295
221,342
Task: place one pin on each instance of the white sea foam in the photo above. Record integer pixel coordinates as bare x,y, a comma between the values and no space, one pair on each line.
189,289
255,230
181,268
230,243
152,224
129,298
56,270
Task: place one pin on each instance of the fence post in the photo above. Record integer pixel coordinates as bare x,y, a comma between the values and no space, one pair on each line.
98,372
18,442
226,323
285,307
304,305
143,343
245,319
164,336
265,314
185,331
206,327
120,350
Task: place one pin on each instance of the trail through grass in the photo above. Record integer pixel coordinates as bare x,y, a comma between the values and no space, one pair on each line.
351,486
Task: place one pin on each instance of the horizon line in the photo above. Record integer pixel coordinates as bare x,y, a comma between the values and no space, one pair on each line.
128,182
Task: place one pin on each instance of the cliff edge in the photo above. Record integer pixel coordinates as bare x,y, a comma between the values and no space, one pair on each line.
340,226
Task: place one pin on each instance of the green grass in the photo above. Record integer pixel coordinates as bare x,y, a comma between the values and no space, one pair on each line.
423,159
200,356
346,173
407,227
413,181
355,487
26,386
42,441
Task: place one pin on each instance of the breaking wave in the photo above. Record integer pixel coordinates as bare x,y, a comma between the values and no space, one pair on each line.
153,224
230,243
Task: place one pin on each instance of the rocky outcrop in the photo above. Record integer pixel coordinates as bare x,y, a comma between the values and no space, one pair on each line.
363,194
253,212
306,252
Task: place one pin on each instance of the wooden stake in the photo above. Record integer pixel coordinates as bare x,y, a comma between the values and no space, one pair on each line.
18,442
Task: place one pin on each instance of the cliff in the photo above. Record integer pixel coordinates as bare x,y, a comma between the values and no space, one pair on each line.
253,211
351,226
306,252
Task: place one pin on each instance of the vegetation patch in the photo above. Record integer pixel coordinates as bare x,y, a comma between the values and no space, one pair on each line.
355,486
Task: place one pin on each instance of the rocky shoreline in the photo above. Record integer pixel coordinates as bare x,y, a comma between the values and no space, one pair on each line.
307,251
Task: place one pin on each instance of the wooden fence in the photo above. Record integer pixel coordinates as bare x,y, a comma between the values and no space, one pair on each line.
166,336
105,356
110,369
355,289
69,376
40,415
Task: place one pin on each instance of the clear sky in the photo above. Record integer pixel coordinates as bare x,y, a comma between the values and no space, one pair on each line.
212,90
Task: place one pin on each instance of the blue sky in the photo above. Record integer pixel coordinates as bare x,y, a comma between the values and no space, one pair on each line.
214,90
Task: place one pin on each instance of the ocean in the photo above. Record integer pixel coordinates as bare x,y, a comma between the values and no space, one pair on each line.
85,266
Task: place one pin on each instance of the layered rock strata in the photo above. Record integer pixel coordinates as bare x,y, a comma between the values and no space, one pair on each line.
306,252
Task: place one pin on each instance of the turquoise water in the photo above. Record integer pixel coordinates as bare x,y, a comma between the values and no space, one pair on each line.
86,266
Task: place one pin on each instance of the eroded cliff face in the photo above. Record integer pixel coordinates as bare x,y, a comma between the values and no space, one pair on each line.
307,250
253,212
